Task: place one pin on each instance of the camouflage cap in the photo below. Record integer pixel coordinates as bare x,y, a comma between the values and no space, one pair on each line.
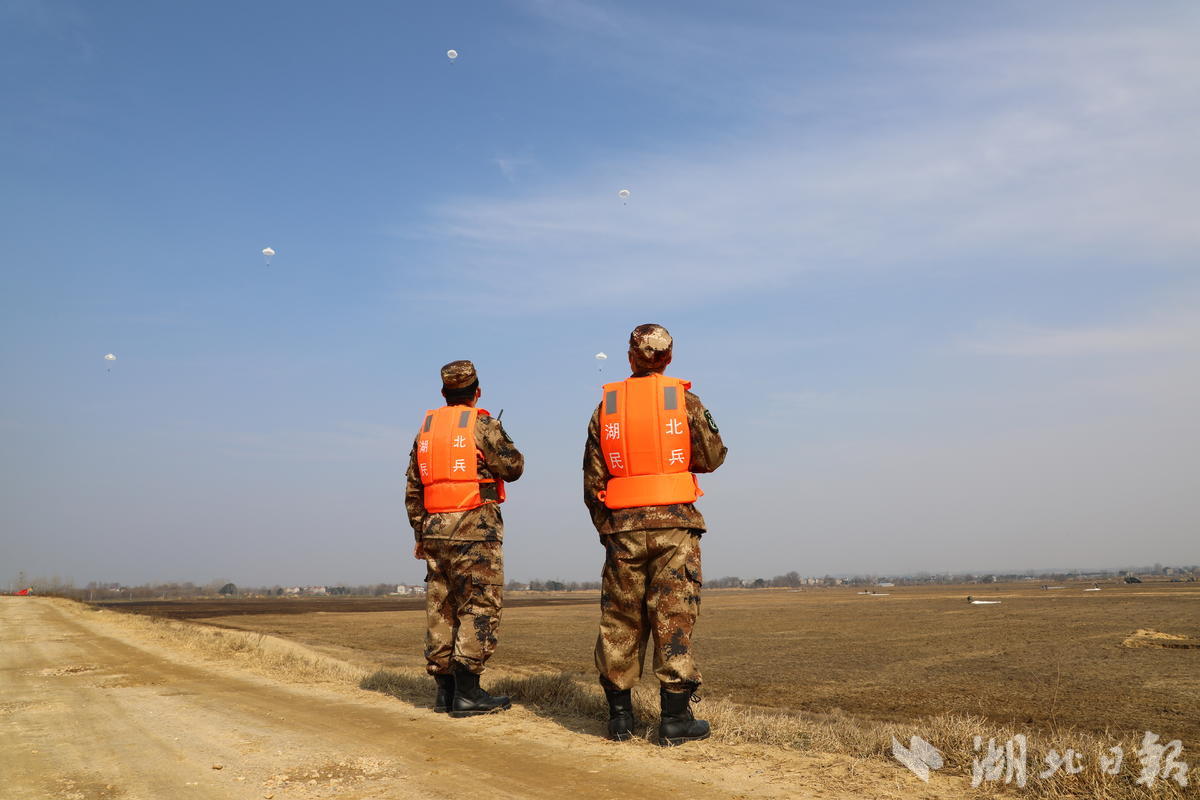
650,346
458,375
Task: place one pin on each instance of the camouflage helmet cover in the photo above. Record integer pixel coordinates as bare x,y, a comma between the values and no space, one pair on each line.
650,346
458,375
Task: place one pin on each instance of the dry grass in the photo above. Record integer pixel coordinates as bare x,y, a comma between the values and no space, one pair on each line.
1040,661
409,686
1151,638
267,655
564,698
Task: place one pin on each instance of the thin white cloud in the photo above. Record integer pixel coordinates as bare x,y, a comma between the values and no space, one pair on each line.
1165,334
578,15
509,166
1084,150
1087,493
782,406
348,442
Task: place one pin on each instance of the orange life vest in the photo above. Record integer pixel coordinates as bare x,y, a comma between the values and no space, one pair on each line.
447,461
646,442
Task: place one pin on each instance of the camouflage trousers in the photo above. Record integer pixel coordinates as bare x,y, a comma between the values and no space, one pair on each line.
464,589
650,591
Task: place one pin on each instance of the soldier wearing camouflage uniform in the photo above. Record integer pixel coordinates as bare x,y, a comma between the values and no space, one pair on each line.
465,563
652,577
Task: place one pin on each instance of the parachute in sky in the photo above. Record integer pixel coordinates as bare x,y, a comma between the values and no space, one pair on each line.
624,195
451,54
267,253
110,358
600,359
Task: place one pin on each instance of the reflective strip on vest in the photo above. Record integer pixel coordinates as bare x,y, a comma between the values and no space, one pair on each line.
446,461
646,443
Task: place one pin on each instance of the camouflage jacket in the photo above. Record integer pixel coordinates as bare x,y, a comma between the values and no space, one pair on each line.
708,453
501,460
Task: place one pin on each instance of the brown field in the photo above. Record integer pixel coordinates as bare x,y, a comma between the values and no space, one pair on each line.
1040,661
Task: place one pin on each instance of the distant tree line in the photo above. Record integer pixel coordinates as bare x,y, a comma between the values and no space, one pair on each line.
101,590
794,580
553,586
97,591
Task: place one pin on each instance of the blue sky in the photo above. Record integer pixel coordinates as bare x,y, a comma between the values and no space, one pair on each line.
932,266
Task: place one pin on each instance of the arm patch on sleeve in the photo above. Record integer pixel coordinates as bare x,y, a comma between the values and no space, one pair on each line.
708,418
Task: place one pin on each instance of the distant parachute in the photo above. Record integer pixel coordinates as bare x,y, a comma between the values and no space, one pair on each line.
110,358
451,54
600,359
624,195
267,253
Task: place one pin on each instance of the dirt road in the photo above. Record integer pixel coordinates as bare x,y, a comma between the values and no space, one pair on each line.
89,712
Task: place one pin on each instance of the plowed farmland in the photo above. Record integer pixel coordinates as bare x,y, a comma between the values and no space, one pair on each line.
1038,659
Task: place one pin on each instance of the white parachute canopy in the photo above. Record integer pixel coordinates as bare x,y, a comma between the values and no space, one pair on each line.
624,195
451,54
110,357
601,356
600,359
267,253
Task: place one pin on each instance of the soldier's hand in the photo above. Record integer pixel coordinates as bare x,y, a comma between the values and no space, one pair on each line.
419,552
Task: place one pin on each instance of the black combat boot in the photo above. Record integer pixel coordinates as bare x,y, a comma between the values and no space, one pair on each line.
621,720
678,725
469,699
445,693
